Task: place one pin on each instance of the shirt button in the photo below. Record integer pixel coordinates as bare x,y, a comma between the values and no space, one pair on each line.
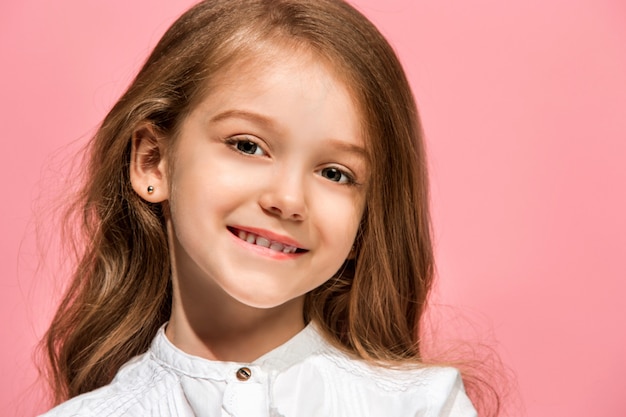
244,374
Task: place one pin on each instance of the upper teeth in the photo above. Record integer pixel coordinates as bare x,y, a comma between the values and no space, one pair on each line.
266,243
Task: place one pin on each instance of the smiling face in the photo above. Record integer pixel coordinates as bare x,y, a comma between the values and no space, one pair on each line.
266,184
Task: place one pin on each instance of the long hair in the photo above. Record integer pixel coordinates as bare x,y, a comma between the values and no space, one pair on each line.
120,292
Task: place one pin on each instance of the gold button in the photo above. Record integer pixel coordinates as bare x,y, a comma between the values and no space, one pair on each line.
244,374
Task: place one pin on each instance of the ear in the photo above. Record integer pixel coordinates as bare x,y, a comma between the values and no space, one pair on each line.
148,173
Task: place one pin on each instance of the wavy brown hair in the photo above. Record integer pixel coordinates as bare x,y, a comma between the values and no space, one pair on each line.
120,292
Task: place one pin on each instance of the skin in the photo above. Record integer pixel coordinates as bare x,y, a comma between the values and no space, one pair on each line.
274,150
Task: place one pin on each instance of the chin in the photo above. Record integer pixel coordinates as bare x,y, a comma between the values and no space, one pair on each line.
265,302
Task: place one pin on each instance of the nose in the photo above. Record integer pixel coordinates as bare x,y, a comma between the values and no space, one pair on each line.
284,197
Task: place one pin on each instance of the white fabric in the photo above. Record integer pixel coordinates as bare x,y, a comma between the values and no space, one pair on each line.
305,377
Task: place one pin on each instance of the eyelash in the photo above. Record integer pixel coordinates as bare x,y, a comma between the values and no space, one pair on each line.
350,180
235,141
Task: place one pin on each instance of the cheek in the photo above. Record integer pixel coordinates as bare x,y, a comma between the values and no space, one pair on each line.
355,223
342,224
191,205
207,182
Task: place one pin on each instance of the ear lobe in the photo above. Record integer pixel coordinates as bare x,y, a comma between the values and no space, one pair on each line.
148,165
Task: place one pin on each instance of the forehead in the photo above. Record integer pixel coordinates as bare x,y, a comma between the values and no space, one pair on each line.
257,77
280,59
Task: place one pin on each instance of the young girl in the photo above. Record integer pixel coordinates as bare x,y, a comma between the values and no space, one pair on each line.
256,229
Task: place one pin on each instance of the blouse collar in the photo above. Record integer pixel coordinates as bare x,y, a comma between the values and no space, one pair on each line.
302,345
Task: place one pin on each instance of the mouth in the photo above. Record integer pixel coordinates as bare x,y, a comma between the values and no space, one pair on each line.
258,240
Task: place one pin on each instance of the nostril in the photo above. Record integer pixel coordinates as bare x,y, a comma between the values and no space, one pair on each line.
273,210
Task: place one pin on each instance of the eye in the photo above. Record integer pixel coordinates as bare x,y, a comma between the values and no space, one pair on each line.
246,146
249,147
337,175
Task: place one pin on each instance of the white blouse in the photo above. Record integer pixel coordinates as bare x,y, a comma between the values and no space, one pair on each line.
304,377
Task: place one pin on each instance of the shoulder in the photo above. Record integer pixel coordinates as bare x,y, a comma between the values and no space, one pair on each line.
138,388
409,390
408,377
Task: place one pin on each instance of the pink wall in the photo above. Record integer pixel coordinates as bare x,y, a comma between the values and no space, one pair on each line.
524,106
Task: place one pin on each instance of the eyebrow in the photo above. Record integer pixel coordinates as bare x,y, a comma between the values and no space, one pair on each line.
242,114
346,147
268,123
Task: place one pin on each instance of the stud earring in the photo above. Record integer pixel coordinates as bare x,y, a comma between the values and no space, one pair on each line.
150,189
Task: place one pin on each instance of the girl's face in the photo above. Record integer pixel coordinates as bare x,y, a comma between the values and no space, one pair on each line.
267,183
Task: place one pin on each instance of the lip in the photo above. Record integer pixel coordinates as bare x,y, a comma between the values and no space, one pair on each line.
263,251
275,237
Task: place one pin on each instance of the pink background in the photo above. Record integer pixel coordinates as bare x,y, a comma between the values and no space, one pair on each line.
524,107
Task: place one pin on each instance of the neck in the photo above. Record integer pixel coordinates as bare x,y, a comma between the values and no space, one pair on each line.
234,332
